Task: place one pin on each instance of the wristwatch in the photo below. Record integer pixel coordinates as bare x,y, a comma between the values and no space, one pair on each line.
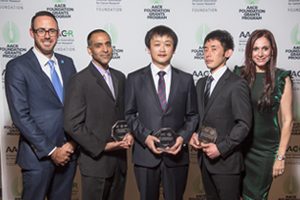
280,157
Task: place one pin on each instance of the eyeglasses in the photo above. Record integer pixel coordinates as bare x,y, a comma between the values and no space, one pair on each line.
42,32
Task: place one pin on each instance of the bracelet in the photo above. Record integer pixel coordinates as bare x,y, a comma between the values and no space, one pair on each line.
280,157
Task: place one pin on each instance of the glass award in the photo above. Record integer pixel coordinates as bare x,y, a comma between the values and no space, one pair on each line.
119,130
207,134
167,138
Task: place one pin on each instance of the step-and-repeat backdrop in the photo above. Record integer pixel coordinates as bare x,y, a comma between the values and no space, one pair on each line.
127,21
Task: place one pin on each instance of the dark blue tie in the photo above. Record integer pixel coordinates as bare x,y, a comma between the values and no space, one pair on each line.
55,80
162,90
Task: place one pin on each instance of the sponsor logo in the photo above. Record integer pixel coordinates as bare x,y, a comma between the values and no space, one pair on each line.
294,52
65,41
293,5
293,154
243,38
197,74
11,36
113,32
60,10
109,5
157,10
11,5
11,154
252,11
200,36
11,130
204,6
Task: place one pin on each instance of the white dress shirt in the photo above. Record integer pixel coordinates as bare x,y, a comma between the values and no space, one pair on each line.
167,77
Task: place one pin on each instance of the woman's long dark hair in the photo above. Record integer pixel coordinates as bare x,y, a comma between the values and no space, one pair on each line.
249,71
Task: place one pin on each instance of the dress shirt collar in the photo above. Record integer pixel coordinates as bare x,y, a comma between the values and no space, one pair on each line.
101,69
43,60
156,69
217,74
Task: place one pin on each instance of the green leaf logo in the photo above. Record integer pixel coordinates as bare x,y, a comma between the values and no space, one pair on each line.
59,1
252,2
201,33
290,185
112,31
11,33
17,186
156,1
295,35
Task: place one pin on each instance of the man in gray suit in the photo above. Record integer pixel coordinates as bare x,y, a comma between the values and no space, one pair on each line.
34,84
94,102
224,105
161,96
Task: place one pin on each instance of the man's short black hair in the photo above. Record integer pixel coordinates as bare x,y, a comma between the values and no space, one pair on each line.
161,30
93,32
223,36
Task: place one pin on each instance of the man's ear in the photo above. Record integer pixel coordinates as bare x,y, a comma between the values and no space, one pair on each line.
89,51
31,32
228,53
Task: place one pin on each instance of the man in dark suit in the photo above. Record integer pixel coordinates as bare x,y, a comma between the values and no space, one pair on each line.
94,103
34,85
224,105
150,107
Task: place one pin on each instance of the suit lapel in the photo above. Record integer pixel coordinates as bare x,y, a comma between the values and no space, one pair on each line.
41,74
218,89
61,64
100,80
150,86
175,82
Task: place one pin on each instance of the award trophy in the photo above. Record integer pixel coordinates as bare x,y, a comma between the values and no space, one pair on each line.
207,134
119,130
166,136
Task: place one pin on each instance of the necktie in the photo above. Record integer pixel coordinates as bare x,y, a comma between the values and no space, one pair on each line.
55,80
107,77
162,90
207,89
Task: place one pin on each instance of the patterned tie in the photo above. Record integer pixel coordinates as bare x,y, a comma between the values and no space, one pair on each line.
207,89
162,90
55,81
108,79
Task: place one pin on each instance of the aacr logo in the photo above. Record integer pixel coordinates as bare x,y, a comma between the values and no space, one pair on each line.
200,73
294,149
11,33
295,74
67,33
295,35
13,149
245,34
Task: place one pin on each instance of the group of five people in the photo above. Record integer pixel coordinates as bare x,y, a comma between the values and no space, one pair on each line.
250,109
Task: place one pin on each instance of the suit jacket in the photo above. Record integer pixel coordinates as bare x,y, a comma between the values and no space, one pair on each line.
90,112
35,107
145,116
229,111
